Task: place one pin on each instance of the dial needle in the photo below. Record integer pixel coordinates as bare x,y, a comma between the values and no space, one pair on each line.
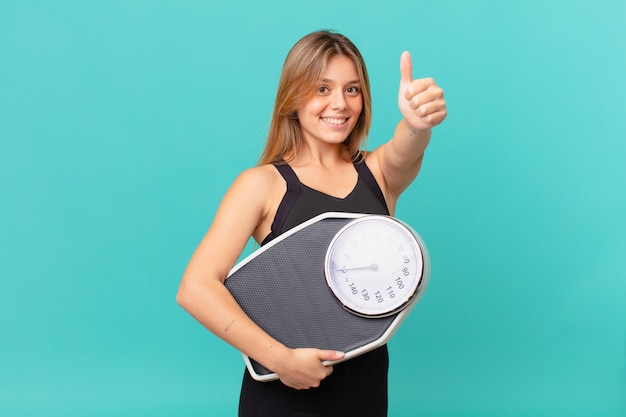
371,267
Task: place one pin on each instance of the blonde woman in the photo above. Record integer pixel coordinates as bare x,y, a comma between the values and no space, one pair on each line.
313,163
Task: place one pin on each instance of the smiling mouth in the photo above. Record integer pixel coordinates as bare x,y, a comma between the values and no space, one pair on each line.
334,121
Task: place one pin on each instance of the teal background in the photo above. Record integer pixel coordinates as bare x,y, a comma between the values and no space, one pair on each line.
122,123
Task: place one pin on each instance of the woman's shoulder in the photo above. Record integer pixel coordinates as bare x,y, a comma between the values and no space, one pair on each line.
259,189
261,172
255,189
370,158
259,177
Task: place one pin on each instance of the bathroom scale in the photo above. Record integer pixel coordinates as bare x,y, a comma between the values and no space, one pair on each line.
339,281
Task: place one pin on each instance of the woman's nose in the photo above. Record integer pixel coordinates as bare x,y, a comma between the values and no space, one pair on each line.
338,100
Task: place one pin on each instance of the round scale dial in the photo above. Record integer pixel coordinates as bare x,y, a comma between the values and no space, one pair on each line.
374,265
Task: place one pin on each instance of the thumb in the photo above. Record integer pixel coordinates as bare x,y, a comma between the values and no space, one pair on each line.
406,68
330,355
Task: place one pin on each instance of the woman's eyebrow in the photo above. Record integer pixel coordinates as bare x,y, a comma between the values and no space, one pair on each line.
328,80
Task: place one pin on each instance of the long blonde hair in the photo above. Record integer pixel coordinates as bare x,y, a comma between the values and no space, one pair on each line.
302,70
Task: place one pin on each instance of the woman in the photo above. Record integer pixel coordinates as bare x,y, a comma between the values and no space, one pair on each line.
312,163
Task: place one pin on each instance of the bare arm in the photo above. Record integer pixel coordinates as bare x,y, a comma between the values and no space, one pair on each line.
422,106
202,292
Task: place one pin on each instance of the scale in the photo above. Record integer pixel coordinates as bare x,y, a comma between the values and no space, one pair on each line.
339,281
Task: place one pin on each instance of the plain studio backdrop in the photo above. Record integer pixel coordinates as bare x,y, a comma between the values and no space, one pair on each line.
122,123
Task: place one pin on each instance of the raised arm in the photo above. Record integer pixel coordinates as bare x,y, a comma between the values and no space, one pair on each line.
422,106
203,295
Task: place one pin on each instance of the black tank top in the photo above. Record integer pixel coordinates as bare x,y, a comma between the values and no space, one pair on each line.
301,203
357,387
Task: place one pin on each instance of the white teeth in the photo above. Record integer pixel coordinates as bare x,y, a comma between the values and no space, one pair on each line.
334,121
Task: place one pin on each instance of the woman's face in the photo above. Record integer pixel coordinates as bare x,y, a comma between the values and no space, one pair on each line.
331,113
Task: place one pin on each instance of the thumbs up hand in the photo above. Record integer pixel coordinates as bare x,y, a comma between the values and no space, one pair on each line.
420,101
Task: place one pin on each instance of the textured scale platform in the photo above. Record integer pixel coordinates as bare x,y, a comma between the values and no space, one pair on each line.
282,287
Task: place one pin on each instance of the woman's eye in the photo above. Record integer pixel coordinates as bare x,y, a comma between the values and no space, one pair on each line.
322,89
353,90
